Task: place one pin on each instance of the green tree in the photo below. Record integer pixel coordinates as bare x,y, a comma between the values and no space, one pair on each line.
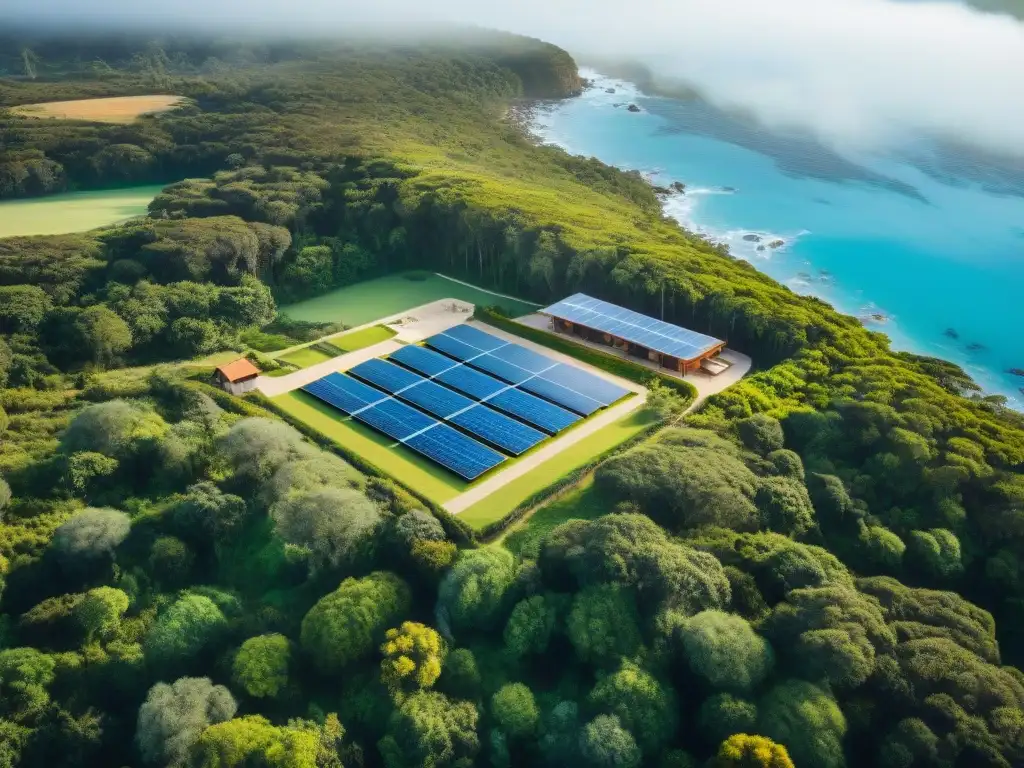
472,594
170,560
723,715
724,651
116,428
25,676
643,705
935,552
329,523
530,626
191,337
604,743
100,612
253,741
104,335
807,721
413,657
430,729
5,496
22,308
744,751
261,665
91,534
173,717
256,448
603,625
787,464
191,625
514,709
208,514
347,624
761,433
460,675
785,506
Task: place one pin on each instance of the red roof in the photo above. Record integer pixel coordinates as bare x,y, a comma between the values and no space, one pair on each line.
238,370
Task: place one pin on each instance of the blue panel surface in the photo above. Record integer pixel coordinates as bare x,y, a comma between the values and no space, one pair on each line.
395,419
388,376
344,393
461,454
585,382
475,337
562,395
472,382
426,361
532,409
453,347
435,399
500,368
525,358
508,434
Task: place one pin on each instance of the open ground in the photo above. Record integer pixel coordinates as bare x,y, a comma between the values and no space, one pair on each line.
113,109
74,211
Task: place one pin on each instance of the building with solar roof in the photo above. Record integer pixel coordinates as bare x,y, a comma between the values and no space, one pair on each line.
668,345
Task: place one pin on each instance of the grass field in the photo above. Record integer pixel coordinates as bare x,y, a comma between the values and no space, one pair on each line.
73,212
581,503
355,340
114,109
305,357
419,473
519,490
367,301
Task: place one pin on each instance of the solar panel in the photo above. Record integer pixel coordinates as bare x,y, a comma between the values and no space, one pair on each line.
497,429
435,399
453,347
503,370
587,383
471,382
632,326
525,358
396,419
450,448
344,393
426,361
388,376
562,395
475,337
548,416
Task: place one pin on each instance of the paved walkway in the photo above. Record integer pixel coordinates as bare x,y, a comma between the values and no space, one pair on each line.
278,385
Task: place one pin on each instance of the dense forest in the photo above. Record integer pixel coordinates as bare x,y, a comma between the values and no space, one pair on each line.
821,567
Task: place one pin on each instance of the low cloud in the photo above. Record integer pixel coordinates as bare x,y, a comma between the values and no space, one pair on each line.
856,72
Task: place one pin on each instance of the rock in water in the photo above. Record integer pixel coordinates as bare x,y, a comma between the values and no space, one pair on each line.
752,238
951,333
633,108
609,90
776,243
760,248
678,186
976,346
1016,371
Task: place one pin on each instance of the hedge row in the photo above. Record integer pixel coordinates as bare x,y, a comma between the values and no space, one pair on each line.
456,530
491,530
606,362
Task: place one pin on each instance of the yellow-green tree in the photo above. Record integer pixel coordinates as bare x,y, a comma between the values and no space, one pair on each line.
413,655
745,751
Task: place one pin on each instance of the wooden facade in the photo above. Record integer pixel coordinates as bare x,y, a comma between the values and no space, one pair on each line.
665,361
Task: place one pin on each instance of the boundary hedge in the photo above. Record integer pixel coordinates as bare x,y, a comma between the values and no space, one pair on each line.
610,363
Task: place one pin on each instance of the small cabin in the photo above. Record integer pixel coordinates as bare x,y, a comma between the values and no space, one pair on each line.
237,377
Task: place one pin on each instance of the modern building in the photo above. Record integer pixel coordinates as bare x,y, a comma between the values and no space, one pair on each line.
668,345
236,377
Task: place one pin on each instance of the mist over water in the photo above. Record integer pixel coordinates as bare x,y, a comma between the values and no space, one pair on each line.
936,263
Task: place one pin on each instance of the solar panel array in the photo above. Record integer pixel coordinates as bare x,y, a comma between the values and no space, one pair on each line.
439,442
508,434
502,393
556,382
634,327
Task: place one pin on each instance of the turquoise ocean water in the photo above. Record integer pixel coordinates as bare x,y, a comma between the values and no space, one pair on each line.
927,246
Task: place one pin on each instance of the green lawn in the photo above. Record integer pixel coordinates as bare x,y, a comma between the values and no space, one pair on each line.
581,503
74,212
373,299
350,341
519,490
305,357
426,477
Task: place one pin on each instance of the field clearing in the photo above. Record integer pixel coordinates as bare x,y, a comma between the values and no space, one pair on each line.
305,357
74,211
367,301
419,473
351,341
112,109
509,497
